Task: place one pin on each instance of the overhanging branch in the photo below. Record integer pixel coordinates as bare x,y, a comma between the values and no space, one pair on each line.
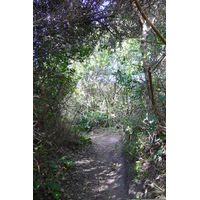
158,63
150,23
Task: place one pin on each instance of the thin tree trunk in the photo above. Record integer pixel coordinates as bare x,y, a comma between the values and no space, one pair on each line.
146,66
146,26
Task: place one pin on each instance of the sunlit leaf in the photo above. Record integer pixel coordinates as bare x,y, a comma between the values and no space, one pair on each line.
56,194
137,196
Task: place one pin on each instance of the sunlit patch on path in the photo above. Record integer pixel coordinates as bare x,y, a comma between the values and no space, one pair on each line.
110,171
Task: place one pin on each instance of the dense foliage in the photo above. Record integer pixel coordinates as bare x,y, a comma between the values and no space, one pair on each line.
100,63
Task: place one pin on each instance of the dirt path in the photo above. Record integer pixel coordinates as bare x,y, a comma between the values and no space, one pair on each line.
100,171
110,171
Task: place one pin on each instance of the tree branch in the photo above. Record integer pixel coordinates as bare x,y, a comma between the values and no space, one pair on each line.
150,23
158,63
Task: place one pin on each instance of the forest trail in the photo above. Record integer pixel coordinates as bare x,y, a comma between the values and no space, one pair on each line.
101,168
110,173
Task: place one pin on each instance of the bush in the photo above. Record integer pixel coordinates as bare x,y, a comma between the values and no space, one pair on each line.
88,120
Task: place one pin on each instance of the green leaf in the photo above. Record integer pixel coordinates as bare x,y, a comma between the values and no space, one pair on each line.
52,185
56,194
159,152
53,165
54,90
163,138
137,196
63,158
68,163
36,185
136,179
46,100
89,142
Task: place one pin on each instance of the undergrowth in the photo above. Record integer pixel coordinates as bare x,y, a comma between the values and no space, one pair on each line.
52,161
88,120
145,146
